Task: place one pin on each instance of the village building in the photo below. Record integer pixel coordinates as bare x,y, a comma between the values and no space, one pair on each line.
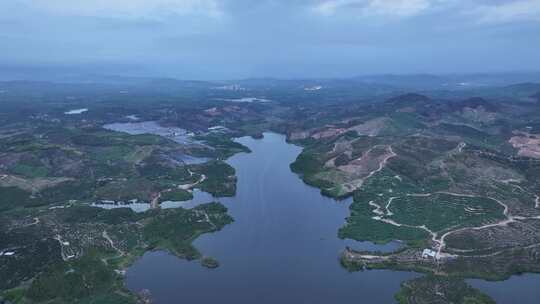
428,253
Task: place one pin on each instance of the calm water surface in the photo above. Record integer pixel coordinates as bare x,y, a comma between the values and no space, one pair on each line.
199,197
522,289
282,247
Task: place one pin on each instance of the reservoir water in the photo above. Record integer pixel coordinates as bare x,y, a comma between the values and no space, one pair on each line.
282,247
153,127
523,289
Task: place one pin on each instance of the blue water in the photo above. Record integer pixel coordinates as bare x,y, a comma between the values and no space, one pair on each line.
522,289
282,247
199,197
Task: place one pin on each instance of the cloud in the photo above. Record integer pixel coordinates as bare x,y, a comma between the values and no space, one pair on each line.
233,38
131,9
474,11
507,12
397,8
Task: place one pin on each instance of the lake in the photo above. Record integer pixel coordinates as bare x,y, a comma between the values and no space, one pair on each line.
199,197
282,247
153,127
522,289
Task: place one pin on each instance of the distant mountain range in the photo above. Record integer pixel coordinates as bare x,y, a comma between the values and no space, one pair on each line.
133,76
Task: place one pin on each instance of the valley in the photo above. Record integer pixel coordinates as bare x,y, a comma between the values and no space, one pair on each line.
274,185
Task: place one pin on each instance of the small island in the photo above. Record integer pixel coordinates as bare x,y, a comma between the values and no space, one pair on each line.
209,262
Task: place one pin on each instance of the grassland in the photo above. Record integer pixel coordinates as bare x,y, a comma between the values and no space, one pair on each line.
440,212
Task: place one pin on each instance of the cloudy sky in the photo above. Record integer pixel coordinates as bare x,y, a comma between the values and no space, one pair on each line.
216,39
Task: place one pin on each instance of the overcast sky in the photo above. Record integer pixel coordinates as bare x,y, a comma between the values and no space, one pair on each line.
216,39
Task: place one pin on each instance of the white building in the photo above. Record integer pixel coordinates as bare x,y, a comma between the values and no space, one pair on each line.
428,253
217,128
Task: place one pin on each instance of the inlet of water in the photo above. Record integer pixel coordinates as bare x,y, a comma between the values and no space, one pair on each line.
282,248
